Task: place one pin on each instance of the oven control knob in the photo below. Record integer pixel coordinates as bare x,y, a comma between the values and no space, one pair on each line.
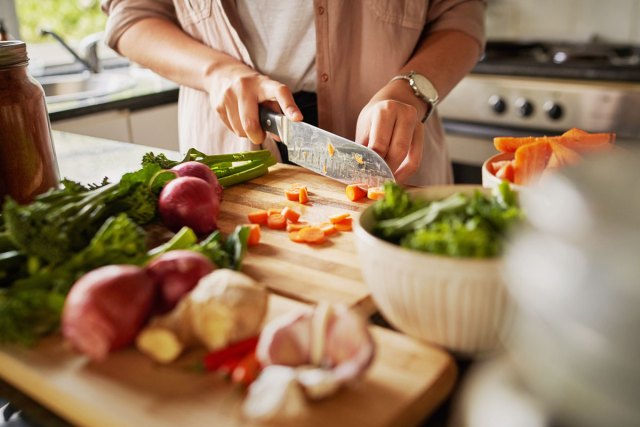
553,110
524,107
497,104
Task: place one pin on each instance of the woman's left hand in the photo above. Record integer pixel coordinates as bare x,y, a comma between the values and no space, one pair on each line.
390,125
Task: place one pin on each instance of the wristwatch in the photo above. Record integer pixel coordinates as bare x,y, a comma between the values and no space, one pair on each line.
423,89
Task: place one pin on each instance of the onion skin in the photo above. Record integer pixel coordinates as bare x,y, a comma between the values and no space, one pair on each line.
176,273
189,201
202,171
106,308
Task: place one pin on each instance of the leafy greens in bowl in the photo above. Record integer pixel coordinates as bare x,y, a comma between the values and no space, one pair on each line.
460,225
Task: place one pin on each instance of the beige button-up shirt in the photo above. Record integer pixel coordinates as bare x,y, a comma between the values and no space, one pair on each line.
360,46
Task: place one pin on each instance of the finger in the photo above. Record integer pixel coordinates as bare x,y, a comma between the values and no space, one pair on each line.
382,127
250,120
403,133
412,162
233,115
221,109
284,97
363,126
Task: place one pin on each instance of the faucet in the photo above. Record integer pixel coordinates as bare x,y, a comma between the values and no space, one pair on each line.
90,47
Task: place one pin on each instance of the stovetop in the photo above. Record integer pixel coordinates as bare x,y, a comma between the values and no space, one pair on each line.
588,61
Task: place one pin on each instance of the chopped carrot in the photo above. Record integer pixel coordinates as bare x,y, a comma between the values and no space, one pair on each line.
358,158
272,211
258,217
254,234
339,217
355,192
297,226
375,193
575,139
290,214
295,236
497,165
292,194
311,234
530,162
505,171
303,195
277,222
331,149
328,228
344,225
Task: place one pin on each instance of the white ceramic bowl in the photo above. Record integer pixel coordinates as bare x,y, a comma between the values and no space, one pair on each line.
459,304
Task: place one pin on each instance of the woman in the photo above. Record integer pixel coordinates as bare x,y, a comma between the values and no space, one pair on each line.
229,56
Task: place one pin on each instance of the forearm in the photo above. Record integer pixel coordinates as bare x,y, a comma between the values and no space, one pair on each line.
163,47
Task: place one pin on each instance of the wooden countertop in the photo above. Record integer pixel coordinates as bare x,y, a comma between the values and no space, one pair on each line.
406,382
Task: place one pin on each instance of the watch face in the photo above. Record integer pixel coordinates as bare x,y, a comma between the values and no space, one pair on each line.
425,87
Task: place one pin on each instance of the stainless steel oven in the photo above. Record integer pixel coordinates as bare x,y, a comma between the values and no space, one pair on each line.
542,88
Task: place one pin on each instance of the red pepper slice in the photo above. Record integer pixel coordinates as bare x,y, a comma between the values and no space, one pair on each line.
215,359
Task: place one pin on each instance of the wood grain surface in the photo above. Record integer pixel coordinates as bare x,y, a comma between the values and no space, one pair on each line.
406,382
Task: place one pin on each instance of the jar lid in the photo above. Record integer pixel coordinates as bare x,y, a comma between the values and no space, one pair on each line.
13,53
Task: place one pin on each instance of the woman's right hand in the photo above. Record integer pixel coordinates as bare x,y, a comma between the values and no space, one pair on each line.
235,90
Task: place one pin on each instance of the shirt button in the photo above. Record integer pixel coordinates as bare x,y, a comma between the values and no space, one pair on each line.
324,77
320,10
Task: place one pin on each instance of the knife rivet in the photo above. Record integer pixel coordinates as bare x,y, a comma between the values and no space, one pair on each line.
268,122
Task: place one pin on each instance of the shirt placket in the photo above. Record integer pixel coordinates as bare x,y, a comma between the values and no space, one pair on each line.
322,62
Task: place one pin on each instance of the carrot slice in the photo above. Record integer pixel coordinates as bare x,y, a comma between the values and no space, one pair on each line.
575,139
344,225
297,226
277,222
272,211
530,161
355,192
575,132
311,234
375,193
328,228
339,217
295,236
254,234
303,195
292,194
290,214
258,217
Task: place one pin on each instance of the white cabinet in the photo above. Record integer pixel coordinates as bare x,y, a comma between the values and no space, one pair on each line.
154,127
109,125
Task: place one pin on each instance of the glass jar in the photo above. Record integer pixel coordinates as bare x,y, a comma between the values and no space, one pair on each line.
28,163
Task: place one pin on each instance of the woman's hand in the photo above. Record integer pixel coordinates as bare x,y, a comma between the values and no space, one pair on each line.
390,125
235,90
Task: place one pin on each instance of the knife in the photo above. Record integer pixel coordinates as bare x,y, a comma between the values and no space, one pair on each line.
325,153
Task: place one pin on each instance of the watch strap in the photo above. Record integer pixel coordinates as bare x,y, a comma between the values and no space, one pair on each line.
430,101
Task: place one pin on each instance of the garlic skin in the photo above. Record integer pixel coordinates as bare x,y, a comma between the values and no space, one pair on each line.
275,394
323,348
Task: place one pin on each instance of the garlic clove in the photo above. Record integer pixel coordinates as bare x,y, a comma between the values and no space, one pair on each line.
274,395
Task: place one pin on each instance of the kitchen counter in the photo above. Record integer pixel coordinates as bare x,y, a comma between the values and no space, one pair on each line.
89,160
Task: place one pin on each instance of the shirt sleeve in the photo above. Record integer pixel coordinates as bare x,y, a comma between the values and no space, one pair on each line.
466,16
124,13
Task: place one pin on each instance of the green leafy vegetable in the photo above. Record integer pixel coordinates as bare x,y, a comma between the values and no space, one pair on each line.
460,225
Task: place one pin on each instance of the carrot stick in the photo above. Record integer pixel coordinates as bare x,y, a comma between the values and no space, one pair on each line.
530,162
272,211
344,225
258,217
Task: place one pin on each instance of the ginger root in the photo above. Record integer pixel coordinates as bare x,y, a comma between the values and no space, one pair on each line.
226,306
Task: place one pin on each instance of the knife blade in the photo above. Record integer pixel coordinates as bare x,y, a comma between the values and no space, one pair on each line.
326,153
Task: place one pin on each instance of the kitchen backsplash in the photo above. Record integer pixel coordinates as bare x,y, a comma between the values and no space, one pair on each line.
569,20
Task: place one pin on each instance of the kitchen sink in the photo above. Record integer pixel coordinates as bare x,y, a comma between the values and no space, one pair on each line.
81,86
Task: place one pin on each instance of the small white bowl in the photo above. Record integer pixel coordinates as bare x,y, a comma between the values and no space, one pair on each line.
457,303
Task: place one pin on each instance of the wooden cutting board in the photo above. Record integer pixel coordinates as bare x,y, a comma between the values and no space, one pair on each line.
311,273
406,382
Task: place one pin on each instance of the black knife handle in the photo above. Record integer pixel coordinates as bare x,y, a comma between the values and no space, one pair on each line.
269,120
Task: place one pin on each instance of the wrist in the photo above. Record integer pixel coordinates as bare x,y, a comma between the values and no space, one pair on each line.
400,91
423,90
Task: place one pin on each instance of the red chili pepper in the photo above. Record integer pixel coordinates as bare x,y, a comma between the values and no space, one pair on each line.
214,360
247,370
